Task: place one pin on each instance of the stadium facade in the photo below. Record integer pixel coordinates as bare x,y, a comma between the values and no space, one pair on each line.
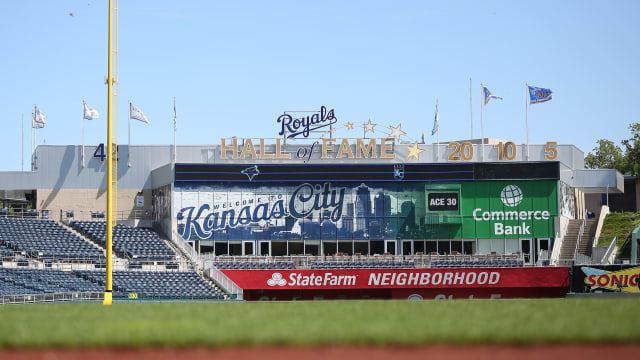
298,195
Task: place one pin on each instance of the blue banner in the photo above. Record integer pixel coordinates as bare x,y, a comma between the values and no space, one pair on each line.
488,95
539,95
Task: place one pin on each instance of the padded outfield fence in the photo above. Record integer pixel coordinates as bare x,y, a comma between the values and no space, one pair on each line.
95,296
53,297
21,285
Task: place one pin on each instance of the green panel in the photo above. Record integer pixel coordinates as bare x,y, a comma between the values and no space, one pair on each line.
527,209
467,204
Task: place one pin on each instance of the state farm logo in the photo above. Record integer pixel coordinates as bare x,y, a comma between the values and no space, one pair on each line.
276,279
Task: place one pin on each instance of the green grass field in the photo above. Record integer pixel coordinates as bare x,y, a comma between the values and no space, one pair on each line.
320,323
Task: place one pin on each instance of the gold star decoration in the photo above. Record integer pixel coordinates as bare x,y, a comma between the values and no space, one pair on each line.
414,151
349,125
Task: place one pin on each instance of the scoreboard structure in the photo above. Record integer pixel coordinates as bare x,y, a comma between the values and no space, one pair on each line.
300,194
270,209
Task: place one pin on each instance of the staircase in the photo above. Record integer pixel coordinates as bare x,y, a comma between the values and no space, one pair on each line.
586,244
568,249
213,284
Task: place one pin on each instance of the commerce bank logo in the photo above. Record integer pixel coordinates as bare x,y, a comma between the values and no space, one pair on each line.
511,195
276,279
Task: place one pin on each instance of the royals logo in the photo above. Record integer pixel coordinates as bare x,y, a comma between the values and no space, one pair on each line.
304,125
398,171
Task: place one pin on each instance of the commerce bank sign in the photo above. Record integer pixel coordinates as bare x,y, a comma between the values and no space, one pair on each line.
511,196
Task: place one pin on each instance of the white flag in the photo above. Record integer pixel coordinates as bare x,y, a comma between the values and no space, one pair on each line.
39,119
435,121
90,113
137,114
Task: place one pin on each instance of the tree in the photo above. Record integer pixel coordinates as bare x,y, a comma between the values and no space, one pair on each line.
632,147
606,155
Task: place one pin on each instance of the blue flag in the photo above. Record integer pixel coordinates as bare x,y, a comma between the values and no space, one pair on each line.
539,95
488,95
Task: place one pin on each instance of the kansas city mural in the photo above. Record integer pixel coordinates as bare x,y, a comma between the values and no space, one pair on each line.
360,210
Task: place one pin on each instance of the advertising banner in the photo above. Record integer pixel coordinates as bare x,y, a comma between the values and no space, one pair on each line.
606,278
367,210
345,279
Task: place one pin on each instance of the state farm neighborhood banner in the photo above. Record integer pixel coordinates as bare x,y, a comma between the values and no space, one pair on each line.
400,278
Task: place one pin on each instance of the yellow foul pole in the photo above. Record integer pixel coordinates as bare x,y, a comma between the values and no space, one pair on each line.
108,291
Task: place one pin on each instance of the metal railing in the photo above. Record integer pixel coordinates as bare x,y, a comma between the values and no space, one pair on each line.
70,264
543,258
604,211
580,233
234,291
559,239
610,255
25,213
582,259
51,297
304,261
100,215
186,249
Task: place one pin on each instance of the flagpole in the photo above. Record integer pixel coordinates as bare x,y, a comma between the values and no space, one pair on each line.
437,134
31,141
35,139
527,116
83,133
129,135
470,110
22,142
482,122
175,125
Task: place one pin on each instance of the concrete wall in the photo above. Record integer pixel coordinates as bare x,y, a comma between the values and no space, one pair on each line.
82,201
593,202
61,166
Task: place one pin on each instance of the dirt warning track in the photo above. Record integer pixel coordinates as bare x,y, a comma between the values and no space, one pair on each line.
453,352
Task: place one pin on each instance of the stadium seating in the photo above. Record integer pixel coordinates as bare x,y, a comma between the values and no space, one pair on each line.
167,285
477,262
5,251
44,239
25,281
241,265
364,264
141,244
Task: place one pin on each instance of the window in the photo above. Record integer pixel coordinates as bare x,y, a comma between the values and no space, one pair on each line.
497,245
432,246
484,246
329,248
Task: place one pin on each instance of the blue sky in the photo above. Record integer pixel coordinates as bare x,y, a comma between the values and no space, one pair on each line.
234,66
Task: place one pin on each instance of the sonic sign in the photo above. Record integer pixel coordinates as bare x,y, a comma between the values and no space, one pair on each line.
625,280
296,128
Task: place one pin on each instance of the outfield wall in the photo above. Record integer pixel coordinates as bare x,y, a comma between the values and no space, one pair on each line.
605,278
480,283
